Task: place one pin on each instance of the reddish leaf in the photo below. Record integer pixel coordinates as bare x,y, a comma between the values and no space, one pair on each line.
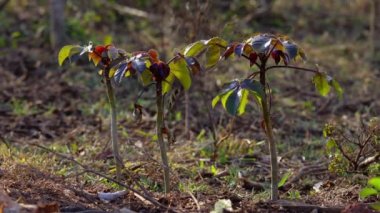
252,58
153,55
230,49
193,65
276,56
160,71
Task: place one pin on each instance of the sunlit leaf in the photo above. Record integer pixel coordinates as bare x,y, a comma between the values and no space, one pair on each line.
243,101
94,57
181,72
217,41
111,72
338,89
366,192
145,77
194,49
168,83
67,51
321,83
212,56
278,45
284,179
260,43
215,100
330,145
375,182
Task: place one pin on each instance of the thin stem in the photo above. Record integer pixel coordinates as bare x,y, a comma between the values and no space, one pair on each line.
270,136
292,67
160,138
115,145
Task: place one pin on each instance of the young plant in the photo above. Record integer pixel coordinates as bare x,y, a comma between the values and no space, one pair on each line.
151,70
105,58
258,50
372,189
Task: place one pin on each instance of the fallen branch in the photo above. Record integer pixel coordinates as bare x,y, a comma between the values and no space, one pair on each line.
304,171
87,170
126,10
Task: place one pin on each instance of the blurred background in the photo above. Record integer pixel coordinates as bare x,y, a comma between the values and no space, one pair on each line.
340,36
62,106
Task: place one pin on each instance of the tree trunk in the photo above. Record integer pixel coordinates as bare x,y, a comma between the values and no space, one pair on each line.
374,41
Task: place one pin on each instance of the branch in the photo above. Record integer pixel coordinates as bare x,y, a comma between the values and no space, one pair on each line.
126,10
86,169
293,67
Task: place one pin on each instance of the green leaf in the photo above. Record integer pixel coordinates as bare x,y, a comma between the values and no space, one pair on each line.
145,77
212,56
224,98
253,86
375,182
284,179
194,49
216,41
215,101
181,72
330,145
338,89
243,101
321,84
366,192
67,51
233,101
167,83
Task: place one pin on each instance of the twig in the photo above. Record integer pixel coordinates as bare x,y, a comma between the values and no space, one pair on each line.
145,196
129,10
292,67
195,201
305,171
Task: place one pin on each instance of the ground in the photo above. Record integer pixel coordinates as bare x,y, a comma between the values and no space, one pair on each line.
54,129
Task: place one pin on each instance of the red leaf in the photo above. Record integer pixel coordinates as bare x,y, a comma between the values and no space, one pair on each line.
230,49
252,58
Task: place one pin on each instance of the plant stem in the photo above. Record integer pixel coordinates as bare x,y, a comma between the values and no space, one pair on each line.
115,145
160,138
271,141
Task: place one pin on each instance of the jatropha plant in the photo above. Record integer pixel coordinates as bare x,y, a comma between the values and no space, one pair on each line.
151,70
115,64
264,52
105,57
